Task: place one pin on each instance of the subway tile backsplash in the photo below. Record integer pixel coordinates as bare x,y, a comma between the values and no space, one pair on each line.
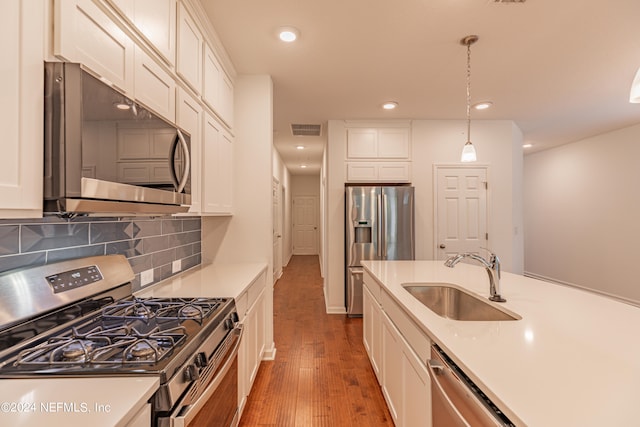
146,242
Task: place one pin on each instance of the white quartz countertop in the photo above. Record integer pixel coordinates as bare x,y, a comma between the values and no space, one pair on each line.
572,360
208,280
95,402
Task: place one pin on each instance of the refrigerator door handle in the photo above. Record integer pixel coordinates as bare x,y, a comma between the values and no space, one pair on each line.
383,225
354,294
379,221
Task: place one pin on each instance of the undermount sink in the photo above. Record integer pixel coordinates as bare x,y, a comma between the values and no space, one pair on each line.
449,301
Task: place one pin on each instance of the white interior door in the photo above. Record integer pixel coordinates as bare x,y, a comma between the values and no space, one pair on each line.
461,210
277,231
305,225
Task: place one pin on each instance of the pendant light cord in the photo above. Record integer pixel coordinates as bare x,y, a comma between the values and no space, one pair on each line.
468,43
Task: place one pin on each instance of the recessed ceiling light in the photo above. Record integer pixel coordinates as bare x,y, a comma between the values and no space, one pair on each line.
288,34
389,105
300,147
482,105
527,145
121,105
303,166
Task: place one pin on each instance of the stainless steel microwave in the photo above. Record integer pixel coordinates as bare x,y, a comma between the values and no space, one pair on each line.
105,153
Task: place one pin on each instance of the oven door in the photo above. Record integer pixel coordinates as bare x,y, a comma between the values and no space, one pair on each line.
213,398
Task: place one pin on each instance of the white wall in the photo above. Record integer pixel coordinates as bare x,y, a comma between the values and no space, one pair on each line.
246,236
499,145
582,213
323,214
282,174
305,185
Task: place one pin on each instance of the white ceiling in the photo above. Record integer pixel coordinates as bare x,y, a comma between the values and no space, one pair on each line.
561,70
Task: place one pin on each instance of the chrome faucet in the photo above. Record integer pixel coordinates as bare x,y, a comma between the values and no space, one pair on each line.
493,270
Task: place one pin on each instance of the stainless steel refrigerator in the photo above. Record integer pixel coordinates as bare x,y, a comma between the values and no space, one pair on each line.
379,225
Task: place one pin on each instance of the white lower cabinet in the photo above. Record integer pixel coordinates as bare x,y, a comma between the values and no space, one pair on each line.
398,351
405,379
252,347
21,107
372,330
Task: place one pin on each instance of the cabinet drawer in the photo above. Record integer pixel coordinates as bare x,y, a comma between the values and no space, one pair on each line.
241,305
379,171
255,289
397,172
417,339
373,287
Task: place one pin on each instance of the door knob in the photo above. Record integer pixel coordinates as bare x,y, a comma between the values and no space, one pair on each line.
442,246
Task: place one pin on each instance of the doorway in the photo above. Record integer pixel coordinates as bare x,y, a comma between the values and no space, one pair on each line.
460,208
305,225
277,230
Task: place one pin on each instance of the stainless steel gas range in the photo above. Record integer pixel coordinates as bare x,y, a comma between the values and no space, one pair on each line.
79,318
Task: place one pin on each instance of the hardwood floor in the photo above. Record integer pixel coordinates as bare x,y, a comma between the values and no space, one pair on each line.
321,375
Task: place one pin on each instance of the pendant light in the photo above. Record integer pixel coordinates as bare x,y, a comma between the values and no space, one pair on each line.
468,151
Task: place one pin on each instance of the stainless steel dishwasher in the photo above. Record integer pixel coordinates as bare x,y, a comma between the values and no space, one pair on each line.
455,400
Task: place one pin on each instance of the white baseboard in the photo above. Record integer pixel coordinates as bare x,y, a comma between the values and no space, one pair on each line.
270,352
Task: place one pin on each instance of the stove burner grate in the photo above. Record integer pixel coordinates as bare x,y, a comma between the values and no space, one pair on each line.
119,345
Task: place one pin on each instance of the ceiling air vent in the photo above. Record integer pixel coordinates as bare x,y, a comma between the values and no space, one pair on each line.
507,1
306,130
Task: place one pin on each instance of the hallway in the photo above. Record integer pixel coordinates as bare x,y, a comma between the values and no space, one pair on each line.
321,375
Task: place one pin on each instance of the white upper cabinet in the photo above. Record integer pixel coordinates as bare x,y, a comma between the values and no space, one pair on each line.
156,22
154,87
21,107
393,143
217,173
378,171
378,143
378,154
226,110
84,33
217,91
212,79
190,50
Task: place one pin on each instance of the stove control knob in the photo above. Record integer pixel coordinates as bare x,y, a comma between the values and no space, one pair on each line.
191,373
201,360
228,324
234,316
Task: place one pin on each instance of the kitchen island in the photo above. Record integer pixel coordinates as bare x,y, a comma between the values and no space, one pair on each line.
572,360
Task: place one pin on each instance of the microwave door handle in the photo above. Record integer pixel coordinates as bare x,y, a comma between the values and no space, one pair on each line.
172,162
187,163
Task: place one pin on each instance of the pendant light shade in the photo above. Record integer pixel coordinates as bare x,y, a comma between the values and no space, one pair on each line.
468,151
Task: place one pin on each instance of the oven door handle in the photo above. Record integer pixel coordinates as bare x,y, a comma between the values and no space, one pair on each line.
184,414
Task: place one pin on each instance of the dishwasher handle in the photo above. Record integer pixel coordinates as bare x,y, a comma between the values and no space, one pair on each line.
453,395
437,370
